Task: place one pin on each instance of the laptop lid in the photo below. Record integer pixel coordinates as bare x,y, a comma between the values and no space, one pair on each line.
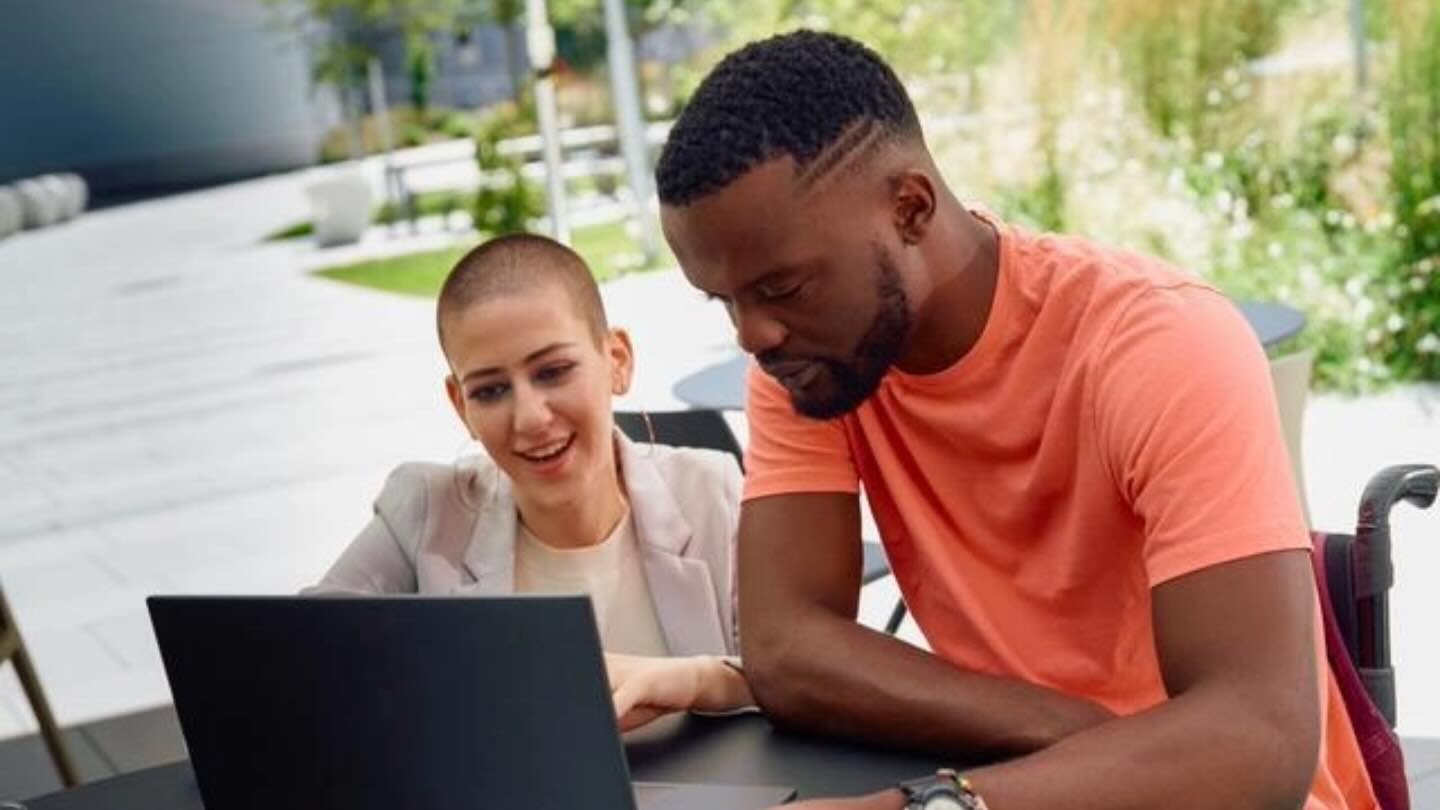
396,702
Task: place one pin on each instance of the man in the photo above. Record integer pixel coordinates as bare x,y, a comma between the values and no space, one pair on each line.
1072,454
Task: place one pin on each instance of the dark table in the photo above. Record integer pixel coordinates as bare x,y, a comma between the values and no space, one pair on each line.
722,385
743,750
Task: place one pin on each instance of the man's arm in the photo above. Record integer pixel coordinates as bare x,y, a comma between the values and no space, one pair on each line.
812,666
1242,730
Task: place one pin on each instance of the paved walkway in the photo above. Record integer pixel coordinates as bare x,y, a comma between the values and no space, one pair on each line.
183,408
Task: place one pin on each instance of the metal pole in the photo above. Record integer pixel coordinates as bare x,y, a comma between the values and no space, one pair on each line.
393,195
1360,43
540,41
633,146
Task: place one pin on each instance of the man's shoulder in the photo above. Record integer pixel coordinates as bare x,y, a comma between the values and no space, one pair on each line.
1075,259
1096,289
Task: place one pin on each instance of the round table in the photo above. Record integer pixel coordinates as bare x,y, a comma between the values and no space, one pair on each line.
721,386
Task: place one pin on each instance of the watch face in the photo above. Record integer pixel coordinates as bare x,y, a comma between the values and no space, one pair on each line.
944,803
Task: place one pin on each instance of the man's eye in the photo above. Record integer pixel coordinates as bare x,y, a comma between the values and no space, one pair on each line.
488,393
778,292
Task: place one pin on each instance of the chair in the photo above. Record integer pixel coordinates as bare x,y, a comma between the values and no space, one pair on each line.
700,428
12,648
1355,574
1291,377
707,429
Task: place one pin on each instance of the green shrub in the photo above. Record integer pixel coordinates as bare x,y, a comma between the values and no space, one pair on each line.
1180,58
1412,283
506,208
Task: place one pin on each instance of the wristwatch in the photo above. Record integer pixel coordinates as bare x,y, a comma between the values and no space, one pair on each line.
943,790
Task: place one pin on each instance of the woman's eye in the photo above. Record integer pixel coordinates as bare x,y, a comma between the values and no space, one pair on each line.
488,393
554,373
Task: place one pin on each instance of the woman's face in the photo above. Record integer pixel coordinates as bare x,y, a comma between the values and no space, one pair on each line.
531,384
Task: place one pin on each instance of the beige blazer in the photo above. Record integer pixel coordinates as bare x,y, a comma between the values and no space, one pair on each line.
443,529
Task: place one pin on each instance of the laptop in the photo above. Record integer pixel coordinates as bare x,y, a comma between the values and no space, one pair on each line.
405,703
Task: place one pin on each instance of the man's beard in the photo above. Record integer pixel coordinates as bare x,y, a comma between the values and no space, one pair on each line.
851,383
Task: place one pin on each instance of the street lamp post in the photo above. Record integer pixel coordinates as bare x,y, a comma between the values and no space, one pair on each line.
631,123
540,42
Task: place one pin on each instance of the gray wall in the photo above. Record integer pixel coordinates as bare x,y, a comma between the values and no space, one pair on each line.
147,95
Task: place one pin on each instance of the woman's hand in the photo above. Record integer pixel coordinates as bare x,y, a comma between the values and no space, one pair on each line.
645,688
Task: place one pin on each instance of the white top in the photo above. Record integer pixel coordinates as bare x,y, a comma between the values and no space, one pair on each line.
610,572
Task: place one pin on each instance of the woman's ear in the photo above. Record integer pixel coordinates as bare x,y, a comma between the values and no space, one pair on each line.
456,395
622,360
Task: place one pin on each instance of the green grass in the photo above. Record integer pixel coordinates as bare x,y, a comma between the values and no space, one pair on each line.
411,274
607,248
296,231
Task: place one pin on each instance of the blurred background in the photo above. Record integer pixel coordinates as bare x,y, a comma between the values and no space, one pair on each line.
222,224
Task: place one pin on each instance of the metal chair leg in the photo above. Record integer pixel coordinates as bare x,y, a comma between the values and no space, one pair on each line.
896,617
11,642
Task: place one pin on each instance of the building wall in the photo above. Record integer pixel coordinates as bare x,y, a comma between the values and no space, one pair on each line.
142,96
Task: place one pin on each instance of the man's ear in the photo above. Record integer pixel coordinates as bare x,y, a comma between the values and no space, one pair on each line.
913,204
456,396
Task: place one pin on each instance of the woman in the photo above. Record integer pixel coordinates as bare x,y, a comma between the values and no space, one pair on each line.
564,503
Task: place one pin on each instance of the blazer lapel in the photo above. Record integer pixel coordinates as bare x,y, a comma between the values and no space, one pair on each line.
683,590
490,557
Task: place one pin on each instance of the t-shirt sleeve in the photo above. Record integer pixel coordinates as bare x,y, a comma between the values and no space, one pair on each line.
1188,427
788,453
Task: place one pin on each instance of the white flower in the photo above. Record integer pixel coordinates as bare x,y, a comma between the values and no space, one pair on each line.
1344,145
1347,221
1417,284
1275,250
1309,277
1214,160
1332,217
1224,201
1430,344
1232,76
1373,336
1355,287
1395,323
1176,181
1214,97
1364,308
1282,201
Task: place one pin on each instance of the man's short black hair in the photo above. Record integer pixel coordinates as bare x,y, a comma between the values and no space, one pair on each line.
517,263
793,94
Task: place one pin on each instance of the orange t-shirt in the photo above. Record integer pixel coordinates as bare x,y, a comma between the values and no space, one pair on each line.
1113,428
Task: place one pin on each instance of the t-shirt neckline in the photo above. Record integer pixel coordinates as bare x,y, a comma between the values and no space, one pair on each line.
991,335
